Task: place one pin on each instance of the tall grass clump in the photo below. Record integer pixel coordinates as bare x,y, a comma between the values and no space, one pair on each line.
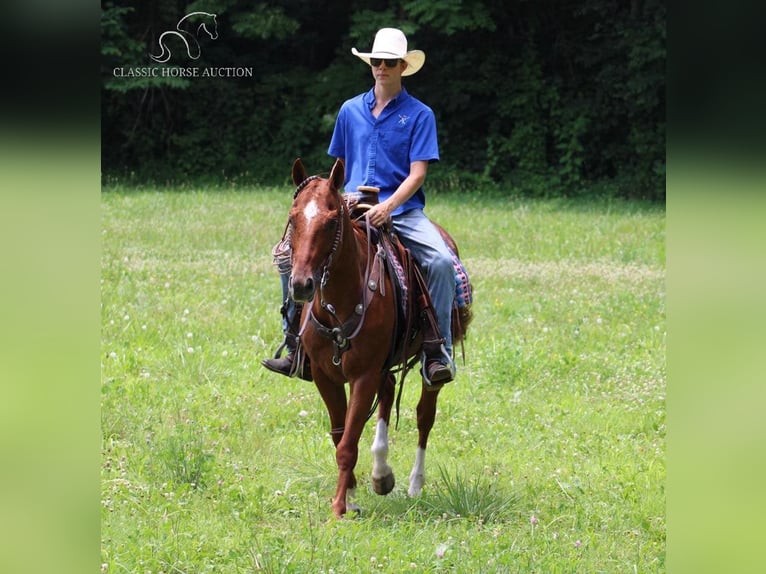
461,496
184,457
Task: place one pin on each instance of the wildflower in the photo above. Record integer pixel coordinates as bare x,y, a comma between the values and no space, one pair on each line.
533,520
190,350
225,353
577,544
303,414
441,550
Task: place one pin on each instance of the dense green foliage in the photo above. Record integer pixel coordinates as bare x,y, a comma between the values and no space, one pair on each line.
530,95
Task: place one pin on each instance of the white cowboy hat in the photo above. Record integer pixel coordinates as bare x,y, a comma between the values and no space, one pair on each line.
391,43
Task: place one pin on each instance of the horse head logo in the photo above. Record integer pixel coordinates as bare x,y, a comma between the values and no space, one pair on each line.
188,29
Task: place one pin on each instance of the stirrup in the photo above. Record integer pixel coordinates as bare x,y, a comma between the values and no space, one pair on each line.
289,366
440,356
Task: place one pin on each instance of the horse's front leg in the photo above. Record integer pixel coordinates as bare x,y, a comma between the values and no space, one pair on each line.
334,397
382,475
362,392
426,412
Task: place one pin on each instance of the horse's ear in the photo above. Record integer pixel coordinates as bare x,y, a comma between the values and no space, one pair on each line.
337,174
299,172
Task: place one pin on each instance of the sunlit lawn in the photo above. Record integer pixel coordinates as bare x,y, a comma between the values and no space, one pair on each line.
548,453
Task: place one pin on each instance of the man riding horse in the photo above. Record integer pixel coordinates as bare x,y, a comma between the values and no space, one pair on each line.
387,139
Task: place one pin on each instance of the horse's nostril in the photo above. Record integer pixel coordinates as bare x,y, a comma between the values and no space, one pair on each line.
309,284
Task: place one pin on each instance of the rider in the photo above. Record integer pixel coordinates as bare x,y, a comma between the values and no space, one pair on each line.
387,139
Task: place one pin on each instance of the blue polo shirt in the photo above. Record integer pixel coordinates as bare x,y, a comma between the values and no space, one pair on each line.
378,151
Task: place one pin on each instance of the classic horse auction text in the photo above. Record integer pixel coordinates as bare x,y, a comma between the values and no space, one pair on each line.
178,72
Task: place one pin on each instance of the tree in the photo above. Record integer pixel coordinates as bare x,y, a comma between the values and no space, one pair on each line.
537,97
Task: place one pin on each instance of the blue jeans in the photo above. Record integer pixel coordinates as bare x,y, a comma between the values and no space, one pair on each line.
287,301
424,241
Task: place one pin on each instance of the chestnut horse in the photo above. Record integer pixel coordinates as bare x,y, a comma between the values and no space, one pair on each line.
347,330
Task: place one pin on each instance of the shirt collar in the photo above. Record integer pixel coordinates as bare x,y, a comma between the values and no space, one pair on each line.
369,98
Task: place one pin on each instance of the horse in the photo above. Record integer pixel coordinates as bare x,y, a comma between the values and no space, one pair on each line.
207,19
348,324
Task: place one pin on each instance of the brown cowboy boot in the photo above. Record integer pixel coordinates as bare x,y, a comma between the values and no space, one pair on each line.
435,370
437,366
286,365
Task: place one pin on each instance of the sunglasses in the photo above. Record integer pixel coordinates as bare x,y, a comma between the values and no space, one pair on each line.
390,63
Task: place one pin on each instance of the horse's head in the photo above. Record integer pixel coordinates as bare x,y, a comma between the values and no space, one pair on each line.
211,27
316,227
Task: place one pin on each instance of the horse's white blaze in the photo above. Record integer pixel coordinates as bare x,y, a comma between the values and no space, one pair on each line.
418,474
310,211
379,450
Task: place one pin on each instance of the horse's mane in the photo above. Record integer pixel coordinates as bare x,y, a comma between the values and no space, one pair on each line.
304,183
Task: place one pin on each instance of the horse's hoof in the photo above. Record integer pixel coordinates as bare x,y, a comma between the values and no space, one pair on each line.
416,485
384,484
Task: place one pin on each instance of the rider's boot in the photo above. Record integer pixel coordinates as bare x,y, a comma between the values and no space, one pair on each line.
437,366
287,365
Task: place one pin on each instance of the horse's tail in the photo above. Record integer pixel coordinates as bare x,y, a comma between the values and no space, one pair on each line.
461,318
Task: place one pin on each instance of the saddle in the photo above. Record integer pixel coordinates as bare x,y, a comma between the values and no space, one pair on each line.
414,310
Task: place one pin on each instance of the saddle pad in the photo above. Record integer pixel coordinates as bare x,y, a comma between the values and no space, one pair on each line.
463,288
401,279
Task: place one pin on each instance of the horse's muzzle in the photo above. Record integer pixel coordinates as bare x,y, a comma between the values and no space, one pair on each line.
302,289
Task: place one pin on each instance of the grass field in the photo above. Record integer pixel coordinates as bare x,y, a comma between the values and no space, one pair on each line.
548,453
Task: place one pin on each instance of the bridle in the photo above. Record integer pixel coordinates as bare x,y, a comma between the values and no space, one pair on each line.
343,332
336,241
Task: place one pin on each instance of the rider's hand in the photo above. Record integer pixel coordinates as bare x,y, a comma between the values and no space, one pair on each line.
379,214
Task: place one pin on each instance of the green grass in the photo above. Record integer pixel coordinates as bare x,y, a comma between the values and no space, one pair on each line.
212,464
